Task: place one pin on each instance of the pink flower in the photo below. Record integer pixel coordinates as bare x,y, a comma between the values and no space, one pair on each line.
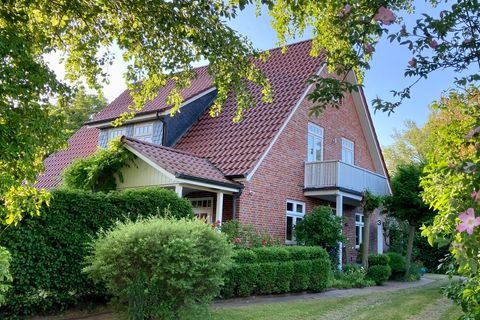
237,240
468,221
385,16
264,242
345,10
476,196
368,48
412,63
433,44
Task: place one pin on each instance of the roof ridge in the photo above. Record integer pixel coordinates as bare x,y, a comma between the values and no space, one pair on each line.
123,138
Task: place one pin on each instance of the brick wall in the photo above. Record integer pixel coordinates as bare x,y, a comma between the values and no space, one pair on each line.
280,176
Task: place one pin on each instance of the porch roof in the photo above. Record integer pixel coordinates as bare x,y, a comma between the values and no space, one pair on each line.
180,164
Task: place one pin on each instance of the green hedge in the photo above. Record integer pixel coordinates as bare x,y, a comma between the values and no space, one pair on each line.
378,260
277,270
48,252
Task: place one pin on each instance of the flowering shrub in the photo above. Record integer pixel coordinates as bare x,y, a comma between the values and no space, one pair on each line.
244,236
451,187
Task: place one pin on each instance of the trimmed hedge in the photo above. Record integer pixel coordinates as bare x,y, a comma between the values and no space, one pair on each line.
48,252
378,268
270,270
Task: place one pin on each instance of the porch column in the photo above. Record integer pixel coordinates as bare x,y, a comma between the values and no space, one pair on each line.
219,208
179,190
339,213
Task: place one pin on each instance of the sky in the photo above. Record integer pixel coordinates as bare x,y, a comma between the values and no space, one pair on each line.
386,73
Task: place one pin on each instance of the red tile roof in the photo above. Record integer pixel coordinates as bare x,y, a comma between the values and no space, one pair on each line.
233,148
202,83
82,144
179,163
236,147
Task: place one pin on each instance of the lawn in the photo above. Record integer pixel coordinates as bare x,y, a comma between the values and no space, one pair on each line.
425,302
419,303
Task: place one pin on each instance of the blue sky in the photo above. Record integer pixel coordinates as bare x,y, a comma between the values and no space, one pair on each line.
386,73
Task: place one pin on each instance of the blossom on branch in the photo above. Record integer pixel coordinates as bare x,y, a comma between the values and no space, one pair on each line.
385,16
468,221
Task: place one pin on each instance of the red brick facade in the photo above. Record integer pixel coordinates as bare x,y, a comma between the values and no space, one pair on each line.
280,177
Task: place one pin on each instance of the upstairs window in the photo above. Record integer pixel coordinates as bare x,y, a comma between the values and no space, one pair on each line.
315,143
116,132
348,151
295,213
143,131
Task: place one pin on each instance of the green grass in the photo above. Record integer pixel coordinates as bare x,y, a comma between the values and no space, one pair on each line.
426,302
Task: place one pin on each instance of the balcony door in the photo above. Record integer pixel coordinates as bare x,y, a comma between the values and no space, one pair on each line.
315,143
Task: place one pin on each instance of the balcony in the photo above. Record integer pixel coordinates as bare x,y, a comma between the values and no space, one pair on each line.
337,174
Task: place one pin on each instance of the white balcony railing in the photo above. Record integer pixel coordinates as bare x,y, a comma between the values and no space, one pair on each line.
338,174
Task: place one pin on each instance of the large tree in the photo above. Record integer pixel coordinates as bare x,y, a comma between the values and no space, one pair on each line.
82,107
406,203
158,40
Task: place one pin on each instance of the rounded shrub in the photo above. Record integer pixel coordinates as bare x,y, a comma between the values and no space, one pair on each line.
379,273
160,267
378,260
398,265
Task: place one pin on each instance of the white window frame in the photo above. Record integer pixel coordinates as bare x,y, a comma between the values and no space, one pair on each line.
116,132
348,146
294,214
360,223
199,210
143,135
316,133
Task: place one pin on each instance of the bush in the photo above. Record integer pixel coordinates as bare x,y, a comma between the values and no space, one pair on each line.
5,276
378,260
54,244
415,273
379,273
161,268
244,236
398,265
352,276
320,228
276,270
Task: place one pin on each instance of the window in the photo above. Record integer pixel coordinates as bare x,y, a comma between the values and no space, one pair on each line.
295,213
143,131
359,223
315,143
348,151
115,132
203,208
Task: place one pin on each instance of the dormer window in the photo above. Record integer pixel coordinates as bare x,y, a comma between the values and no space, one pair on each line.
151,131
143,131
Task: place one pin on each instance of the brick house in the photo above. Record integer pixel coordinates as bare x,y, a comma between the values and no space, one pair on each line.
269,170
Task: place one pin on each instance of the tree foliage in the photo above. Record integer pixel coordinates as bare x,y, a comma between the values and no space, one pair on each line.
158,40
406,203
369,203
451,185
83,106
409,146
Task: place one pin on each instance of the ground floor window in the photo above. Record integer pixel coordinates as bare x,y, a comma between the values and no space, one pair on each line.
203,208
294,213
359,224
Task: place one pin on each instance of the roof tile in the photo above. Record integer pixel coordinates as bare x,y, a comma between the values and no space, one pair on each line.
178,162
